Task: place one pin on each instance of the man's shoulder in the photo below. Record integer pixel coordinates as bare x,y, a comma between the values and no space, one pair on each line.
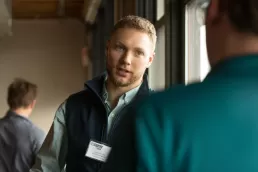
2,120
76,102
38,132
79,98
78,94
172,93
170,99
3,123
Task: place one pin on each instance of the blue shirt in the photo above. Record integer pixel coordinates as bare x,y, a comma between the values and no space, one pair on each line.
20,141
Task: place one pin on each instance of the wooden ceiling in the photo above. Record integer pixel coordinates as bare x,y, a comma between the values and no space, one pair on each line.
22,9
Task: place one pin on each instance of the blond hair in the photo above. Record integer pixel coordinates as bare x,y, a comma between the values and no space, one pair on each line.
138,23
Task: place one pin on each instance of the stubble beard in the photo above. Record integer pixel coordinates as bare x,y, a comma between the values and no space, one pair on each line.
118,83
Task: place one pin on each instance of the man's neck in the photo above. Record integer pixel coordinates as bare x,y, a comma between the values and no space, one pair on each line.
238,44
114,92
22,112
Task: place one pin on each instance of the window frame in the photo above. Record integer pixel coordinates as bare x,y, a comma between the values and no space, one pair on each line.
174,22
175,51
99,35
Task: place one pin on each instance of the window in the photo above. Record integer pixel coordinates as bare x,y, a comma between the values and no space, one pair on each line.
157,69
196,61
160,9
205,66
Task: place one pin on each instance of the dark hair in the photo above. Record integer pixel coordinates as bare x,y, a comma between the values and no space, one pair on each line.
21,93
243,14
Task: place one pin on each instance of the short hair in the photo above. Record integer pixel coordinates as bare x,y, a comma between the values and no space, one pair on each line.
243,14
21,93
138,23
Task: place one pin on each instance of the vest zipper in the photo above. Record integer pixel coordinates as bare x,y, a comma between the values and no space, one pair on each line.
103,138
104,131
104,128
115,122
118,117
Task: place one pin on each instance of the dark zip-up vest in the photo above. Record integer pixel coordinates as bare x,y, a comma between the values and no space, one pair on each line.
86,119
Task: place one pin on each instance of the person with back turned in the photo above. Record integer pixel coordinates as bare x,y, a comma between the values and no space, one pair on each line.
202,127
20,139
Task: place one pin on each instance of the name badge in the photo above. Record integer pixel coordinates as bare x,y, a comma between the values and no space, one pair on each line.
98,151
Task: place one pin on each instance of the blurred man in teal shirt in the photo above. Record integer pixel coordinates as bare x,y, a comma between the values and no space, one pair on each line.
203,127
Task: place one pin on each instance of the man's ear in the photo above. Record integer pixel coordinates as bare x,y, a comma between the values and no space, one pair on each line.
32,105
107,47
213,12
85,57
151,58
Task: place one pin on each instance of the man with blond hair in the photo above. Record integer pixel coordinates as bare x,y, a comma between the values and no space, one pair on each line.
85,121
20,139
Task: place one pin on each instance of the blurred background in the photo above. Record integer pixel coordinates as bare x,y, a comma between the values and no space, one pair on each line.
43,40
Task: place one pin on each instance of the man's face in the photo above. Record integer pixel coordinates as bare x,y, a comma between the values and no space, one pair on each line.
129,52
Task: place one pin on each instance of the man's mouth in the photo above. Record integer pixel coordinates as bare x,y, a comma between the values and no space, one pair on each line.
123,72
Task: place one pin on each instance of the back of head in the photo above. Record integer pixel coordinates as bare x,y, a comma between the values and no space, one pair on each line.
231,28
243,14
21,94
138,23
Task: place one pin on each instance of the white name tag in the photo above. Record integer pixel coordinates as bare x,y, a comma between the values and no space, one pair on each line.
98,151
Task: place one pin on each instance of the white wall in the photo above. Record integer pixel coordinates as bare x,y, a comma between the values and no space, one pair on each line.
46,52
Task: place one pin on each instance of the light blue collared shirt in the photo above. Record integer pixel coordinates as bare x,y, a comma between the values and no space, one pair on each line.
124,100
52,155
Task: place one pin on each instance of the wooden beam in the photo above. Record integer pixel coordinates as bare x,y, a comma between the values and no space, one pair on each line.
74,8
32,9
45,8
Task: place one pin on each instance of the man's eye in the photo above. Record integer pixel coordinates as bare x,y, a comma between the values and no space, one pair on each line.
119,48
139,53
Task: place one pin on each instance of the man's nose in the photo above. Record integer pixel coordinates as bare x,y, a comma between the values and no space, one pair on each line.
127,58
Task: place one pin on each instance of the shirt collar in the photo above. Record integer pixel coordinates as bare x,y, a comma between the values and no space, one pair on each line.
238,66
95,85
127,97
13,114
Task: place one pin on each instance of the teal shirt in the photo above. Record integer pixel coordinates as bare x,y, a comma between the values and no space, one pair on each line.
204,127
